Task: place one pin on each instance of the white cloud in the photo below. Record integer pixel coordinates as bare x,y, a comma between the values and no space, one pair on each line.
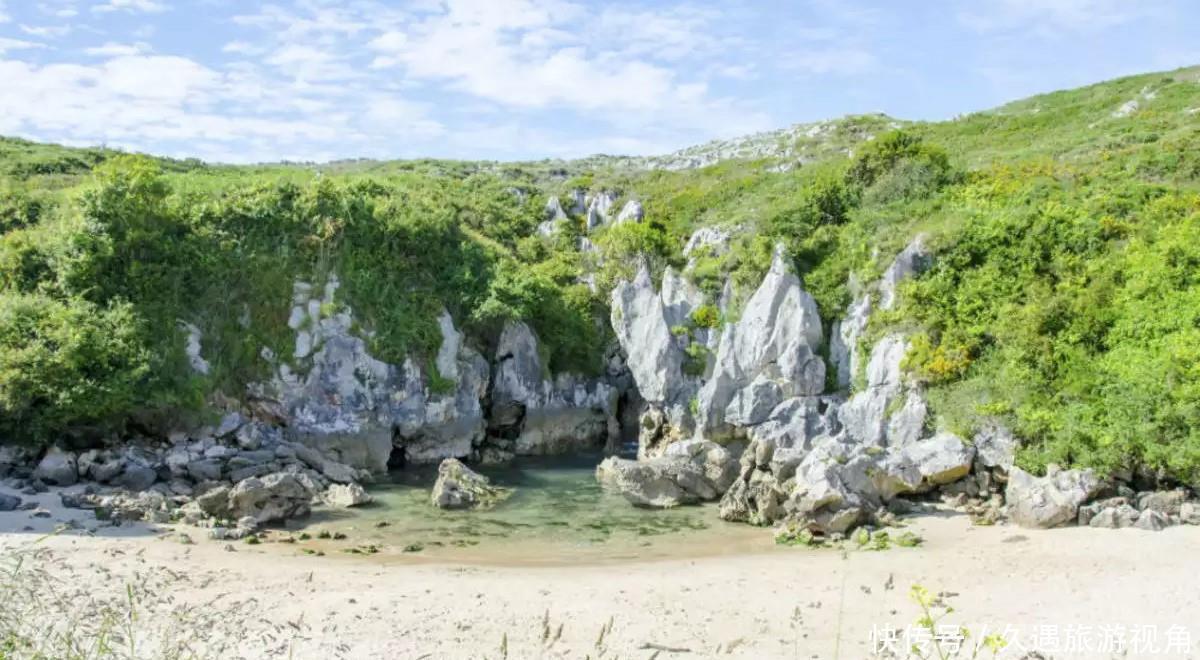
240,114
242,48
16,44
313,78
46,31
113,49
147,6
530,55
840,61
4,17
1047,17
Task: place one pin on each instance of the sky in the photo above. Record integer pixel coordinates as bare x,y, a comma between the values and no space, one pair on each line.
316,80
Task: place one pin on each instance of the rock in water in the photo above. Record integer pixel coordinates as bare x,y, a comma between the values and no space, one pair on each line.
689,472
276,496
346,495
57,467
459,487
1048,501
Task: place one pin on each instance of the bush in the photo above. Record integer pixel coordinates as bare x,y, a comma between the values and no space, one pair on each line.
887,152
68,367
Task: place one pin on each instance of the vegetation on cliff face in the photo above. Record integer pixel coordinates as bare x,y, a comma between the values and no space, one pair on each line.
1064,298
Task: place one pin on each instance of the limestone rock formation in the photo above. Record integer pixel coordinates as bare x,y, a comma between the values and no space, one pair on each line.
459,487
631,212
554,216
1051,500
769,355
655,358
598,208
543,415
687,473
844,336
871,416
276,496
357,409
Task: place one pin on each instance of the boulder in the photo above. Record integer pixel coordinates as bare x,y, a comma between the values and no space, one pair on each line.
925,464
1166,502
9,502
688,472
720,466
758,493
346,495
137,477
995,446
215,503
459,487
276,496
1115,517
1151,520
108,470
204,469
1189,513
1048,501
229,425
663,482
57,467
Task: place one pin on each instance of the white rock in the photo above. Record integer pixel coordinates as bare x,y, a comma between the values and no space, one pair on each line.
1048,501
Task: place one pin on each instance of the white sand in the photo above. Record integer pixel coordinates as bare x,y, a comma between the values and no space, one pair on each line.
789,603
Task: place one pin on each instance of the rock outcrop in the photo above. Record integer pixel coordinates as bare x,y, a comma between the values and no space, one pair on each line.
631,212
768,356
532,413
598,208
840,482
1051,500
655,357
845,334
460,487
359,409
887,411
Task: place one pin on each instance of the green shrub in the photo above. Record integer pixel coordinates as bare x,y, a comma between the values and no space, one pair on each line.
706,316
69,367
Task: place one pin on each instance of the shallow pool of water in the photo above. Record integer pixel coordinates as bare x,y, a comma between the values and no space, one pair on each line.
558,514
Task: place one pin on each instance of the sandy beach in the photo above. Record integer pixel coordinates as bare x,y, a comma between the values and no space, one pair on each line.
1063,589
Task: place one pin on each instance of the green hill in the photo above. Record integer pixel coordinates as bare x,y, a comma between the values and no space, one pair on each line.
1065,296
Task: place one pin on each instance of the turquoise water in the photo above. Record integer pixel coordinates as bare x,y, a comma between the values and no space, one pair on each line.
558,513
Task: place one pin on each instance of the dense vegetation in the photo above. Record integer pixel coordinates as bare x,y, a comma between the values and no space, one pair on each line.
1065,297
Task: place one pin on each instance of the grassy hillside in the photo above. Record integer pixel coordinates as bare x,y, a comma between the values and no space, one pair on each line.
1065,297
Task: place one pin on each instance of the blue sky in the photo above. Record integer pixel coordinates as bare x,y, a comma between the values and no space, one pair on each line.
239,81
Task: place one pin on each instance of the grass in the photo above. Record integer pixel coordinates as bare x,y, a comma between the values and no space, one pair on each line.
102,617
